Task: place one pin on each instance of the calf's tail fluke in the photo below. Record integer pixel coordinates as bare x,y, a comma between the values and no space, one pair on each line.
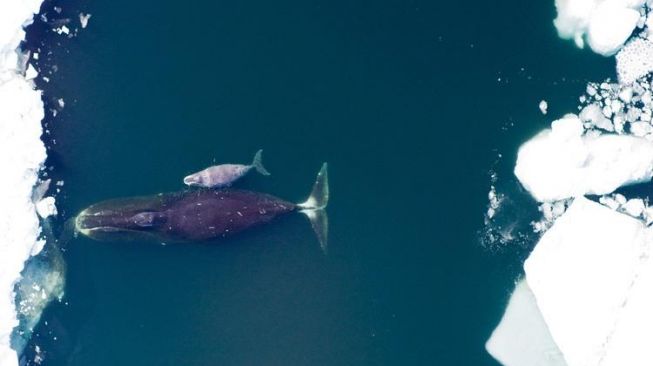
314,207
258,163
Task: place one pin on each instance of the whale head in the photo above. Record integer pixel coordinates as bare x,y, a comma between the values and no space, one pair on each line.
196,179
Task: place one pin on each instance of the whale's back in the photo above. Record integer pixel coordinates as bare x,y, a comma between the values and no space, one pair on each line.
211,214
180,216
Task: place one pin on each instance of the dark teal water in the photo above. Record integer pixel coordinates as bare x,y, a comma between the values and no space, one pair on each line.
410,102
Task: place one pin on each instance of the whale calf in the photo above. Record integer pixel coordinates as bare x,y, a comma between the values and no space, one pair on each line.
199,215
219,176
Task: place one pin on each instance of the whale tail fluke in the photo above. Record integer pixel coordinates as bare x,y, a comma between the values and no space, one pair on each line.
314,207
258,163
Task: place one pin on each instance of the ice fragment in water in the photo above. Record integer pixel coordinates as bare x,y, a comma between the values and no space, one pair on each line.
83,19
543,106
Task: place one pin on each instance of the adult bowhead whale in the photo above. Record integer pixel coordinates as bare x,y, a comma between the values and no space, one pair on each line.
198,215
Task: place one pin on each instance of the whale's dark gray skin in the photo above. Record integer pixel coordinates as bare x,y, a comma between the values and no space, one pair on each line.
206,214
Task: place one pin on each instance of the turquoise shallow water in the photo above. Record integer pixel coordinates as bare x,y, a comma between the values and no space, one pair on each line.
409,102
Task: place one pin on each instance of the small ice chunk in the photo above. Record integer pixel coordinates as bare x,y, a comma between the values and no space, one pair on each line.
39,190
558,208
38,247
83,19
609,202
634,207
31,72
547,210
61,103
46,207
590,90
62,30
648,215
616,106
593,114
522,337
626,95
607,110
543,106
620,199
633,114
618,122
494,202
640,128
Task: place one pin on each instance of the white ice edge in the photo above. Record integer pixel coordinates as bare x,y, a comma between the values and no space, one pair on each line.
561,162
604,24
22,154
522,337
589,274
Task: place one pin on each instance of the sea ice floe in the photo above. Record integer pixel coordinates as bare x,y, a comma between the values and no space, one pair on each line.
522,337
605,24
635,60
641,128
22,154
46,207
613,201
589,273
612,23
593,116
634,207
561,162
619,108
31,73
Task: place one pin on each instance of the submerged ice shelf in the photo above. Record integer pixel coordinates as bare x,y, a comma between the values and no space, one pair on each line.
522,337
